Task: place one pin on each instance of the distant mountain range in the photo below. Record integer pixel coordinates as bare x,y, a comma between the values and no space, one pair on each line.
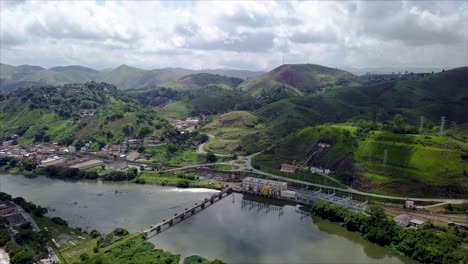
124,77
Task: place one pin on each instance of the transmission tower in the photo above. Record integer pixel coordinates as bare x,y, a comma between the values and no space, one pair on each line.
283,59
385,157
421,125
442,125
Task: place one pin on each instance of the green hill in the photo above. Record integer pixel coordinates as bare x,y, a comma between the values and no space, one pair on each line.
74,113
441,94
126,77
208,100
236,132
28,76
417,165
299,78
204,79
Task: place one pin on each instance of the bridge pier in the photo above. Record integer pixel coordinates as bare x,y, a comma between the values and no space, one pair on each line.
203,205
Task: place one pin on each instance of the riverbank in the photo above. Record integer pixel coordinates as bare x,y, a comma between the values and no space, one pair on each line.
427,244
237,229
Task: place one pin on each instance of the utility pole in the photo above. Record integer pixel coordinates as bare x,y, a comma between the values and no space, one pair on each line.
442,125
283,59
421,125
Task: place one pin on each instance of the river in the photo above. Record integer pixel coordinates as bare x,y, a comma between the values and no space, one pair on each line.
237,229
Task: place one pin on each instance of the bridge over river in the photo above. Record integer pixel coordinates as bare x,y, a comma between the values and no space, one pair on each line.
179,217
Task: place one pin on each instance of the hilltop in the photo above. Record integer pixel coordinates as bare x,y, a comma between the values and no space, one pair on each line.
299,78
126,77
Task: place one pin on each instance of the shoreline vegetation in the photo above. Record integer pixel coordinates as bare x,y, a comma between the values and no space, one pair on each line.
29,168
119,246
427,244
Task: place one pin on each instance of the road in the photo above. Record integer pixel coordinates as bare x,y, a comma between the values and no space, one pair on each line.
247,167
201,149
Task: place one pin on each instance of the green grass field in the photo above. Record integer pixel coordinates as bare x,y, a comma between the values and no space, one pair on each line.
174,110
234,132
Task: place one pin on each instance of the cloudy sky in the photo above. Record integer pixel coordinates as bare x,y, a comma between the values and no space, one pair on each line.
239,34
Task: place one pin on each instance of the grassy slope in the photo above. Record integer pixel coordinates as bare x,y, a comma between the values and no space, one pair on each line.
434,96
417,164
16,113
181,157
234,132
174,110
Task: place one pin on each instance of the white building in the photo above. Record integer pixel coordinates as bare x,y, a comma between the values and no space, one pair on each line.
403,220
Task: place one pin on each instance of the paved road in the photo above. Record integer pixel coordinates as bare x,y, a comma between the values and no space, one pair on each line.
348,189
247,167
201,149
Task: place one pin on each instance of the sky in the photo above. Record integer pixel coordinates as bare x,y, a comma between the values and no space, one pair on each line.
238,34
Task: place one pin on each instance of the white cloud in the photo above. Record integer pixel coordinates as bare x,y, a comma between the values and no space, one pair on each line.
237,34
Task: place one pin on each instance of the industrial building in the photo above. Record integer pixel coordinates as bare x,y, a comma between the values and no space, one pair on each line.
263,186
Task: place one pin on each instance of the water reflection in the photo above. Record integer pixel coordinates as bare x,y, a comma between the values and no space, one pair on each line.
237,229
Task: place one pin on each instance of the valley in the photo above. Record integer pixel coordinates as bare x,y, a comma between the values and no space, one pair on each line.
313,128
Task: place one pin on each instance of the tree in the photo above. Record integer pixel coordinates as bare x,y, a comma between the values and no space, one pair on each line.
211,157
378,228
28,164
398,122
